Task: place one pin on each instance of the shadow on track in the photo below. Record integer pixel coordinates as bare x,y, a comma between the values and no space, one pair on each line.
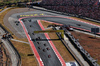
45,39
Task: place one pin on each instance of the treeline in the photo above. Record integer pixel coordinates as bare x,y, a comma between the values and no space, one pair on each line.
2,4
9,3
12,1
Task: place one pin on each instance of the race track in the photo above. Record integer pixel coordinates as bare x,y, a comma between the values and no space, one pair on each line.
39,44
53,61
65,20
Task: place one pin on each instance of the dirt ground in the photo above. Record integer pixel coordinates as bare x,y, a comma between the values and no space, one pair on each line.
89,43
59,45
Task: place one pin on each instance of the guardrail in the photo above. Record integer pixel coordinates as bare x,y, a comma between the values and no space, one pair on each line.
18,55
7,56
83,52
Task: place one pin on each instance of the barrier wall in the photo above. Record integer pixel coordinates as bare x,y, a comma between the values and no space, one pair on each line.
66,46
84,53
18,55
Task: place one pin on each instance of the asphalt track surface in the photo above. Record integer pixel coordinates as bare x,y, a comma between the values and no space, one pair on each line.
67,21
53,61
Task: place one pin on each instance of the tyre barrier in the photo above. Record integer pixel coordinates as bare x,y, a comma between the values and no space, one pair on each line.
83,52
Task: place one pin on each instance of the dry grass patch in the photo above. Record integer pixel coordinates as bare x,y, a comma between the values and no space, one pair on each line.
86,20
59,45
45,24
24,50
61,48
89,43
21,39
